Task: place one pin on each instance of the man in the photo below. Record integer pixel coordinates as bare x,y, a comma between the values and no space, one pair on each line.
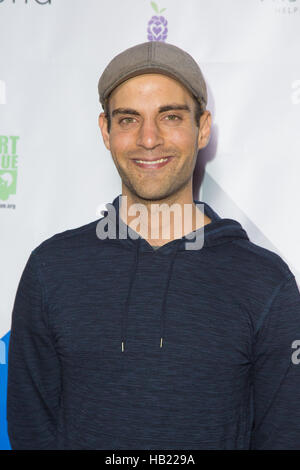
127,339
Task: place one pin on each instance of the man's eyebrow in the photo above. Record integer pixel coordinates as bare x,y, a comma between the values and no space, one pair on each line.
161,109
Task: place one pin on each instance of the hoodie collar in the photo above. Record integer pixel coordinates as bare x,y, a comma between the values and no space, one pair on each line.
218,231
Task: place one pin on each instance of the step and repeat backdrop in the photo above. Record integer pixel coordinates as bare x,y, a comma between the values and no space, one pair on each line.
55,172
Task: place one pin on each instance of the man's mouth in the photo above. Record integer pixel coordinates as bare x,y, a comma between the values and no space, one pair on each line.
153,164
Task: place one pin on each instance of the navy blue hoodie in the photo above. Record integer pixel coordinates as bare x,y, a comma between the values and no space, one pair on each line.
116,345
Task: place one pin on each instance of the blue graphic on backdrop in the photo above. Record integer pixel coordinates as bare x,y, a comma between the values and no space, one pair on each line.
4,441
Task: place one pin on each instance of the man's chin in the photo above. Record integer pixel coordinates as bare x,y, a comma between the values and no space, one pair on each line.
150,195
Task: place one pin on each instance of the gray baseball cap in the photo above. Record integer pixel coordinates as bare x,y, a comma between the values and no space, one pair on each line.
153,57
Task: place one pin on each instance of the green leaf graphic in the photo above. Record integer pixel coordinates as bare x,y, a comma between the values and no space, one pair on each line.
162,10
155,7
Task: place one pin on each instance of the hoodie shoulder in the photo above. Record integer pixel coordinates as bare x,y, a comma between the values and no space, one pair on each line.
268,261
70,237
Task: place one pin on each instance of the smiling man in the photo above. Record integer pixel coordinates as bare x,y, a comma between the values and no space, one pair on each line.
154,129
124,338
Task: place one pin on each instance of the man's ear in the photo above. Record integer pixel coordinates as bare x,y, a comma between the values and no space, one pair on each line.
102,121
204,129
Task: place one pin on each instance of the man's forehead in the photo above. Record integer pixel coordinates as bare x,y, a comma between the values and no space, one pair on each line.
169,92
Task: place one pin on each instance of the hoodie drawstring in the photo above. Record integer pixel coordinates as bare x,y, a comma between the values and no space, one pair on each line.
126,310
125,316
163,313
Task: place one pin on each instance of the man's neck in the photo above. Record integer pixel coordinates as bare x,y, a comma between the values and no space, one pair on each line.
160,225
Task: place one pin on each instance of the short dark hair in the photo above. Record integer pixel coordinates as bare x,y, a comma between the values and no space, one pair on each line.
198,113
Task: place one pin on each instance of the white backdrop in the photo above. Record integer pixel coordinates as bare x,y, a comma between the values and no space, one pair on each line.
54,168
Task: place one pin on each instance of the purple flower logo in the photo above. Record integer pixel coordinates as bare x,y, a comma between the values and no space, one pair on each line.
157,26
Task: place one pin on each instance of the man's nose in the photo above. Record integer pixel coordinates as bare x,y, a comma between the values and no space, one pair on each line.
150,134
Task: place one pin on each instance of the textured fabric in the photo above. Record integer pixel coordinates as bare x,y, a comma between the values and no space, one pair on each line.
87,366
153,57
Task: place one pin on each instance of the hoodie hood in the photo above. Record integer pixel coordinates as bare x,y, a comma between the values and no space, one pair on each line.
218,231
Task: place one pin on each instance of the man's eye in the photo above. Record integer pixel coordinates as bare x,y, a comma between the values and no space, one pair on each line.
125,120
170,117
173,116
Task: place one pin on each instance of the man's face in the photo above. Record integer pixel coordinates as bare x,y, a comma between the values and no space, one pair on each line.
143,128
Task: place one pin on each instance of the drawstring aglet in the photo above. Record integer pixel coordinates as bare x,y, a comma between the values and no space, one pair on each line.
122,346
161,341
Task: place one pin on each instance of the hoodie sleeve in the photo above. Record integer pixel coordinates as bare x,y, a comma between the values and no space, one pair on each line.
276,377
33,387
